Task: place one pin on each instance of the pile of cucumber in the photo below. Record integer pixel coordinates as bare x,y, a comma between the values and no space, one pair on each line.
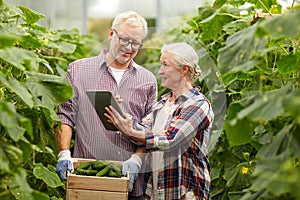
99,168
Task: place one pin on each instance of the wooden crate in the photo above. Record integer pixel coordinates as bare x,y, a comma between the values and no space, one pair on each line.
80,187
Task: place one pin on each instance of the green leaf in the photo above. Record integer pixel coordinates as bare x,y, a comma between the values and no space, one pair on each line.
4,162
273,148
238,131
29,42
27,149
4,195
7,40
213,25
265,107
9,119
18,88
37,195
235,179
239,52
219,3
285,25
20,58
49,177
291,104
30,16
19,187
53,90
10,157
289,63
64,47
277,174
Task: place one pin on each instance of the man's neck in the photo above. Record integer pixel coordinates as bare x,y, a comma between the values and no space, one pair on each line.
111,62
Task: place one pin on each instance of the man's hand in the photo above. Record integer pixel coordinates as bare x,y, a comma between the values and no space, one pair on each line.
133,165
64,163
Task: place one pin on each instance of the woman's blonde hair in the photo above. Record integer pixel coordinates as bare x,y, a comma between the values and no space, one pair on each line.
184,55
132,18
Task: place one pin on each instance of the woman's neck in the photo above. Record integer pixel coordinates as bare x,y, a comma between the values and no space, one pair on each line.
177,92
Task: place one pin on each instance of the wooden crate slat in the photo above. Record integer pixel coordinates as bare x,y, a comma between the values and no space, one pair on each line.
76,194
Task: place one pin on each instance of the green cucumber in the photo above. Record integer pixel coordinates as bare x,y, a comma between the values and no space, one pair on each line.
84,165
104,171
100,164
91,172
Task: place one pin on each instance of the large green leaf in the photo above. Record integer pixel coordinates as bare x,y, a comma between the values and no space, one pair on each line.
9,118
239,52
266,106
21,190
286,25
233,174
49,177
18,88
30,16
62,46
291,104
238,131
277,174
10,157
51,90
20,58
7,40
213,25
288,64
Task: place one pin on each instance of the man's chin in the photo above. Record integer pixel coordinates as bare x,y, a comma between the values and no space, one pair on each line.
124,60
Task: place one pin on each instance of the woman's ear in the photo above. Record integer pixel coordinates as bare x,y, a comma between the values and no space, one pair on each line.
185,69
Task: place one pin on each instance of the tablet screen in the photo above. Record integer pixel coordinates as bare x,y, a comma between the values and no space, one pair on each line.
100,100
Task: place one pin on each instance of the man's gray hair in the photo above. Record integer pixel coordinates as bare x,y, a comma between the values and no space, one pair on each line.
132,18
184,54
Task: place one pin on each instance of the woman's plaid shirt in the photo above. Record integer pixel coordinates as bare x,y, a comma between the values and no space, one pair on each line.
185,144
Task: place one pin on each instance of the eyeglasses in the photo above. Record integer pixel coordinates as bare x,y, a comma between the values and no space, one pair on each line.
125,42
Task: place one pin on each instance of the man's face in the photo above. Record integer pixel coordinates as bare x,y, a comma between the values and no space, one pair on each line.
125,42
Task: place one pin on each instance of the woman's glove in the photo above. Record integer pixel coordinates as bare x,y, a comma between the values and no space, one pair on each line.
64,163
133,165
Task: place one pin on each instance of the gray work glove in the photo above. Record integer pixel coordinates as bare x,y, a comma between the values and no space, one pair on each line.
133,165
64,163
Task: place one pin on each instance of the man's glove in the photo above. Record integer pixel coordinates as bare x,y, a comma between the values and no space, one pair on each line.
64,163
133,165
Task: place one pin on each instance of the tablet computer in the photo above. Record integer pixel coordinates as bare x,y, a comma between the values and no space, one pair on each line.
100,100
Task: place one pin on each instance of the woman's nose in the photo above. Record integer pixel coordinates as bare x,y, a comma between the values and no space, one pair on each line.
160,71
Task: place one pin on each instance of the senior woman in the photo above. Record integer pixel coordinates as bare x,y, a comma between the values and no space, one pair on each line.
176,132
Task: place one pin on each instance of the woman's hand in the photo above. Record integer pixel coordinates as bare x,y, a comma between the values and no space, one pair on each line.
124,125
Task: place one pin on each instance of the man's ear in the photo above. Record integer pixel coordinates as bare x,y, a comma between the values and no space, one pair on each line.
111,33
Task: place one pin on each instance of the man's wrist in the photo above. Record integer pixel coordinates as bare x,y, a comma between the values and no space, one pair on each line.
64,155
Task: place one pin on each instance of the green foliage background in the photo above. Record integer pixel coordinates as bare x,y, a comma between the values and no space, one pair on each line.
250,72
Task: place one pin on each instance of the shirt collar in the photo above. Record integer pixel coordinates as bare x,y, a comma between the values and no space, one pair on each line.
192,92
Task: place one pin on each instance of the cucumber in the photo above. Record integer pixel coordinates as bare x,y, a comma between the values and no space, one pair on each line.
117,169
84,165
100,164
91,172
104,171
80,171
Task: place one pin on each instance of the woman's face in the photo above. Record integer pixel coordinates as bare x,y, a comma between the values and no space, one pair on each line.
171,75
